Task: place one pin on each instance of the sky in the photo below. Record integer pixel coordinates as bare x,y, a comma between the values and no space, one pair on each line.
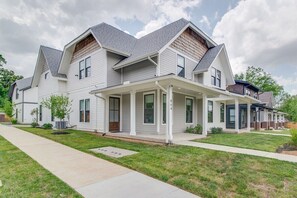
261,33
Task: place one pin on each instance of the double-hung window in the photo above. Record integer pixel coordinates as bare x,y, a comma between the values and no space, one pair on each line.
87,110
82,110
189,110
85,68
40,112
210,111
82,69
17,93
222,112
164,98
232,115
148,109
216,77
180,66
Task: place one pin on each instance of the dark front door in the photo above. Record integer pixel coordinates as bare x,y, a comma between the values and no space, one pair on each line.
114,114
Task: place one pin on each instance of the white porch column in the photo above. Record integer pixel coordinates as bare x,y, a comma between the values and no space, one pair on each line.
132,113
169,114
249,117
275,120
236,115
204,114
106,120
158,111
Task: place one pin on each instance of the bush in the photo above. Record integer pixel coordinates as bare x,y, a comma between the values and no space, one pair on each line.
195,130
294,136
216,130
14,121
8,108
47,126
34,124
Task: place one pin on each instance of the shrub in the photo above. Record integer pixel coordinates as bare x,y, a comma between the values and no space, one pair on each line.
294,136
195,130
47,126
34,124
216,130
14,121
8,108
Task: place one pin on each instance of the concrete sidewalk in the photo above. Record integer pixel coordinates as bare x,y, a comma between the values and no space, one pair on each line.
278,156
267,133
87,174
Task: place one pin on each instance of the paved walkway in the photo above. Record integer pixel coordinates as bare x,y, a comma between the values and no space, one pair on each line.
278,156
267,133
87,174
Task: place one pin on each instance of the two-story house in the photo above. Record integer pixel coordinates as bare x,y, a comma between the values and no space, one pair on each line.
161,83
24,100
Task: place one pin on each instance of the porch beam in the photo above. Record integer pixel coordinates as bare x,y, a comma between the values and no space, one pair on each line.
248,117
220,99
236,115
132,113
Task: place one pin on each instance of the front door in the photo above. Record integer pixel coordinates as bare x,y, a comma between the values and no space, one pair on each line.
114,114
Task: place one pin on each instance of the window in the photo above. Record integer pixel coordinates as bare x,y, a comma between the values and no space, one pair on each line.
189,110
164,98
81,69
215,77
222,112
82,110
232,115
45,75
210,111
52,117
149,108
17,93
180,66
85,68
16,114
40,112
87,110
88,67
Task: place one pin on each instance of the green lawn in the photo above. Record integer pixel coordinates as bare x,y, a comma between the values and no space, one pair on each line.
206,173
278,132
21,176
247,140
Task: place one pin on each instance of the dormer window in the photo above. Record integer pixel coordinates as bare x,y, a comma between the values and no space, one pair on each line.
17,93
180,66
247,92
215,77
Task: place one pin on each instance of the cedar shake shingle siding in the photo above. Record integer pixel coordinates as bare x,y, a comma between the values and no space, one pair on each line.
191,44
84,47
237,88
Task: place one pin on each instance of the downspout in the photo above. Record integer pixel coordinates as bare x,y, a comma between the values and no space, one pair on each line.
102,98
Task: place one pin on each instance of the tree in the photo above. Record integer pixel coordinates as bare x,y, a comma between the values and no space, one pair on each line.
290,106
8,108
2,60
59,105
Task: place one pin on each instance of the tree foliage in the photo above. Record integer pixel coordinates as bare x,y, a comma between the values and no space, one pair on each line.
263,80
8,108
59,105
7,77
290,106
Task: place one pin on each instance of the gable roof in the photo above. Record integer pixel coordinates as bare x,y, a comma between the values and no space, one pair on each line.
114,39
53,57
151,43
208,58
22,84
267,97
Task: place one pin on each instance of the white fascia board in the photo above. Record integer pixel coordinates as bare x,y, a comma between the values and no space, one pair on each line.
207,38
35,70
229,65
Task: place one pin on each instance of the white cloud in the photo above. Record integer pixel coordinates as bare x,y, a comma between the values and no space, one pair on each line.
205,21
261,33
166,11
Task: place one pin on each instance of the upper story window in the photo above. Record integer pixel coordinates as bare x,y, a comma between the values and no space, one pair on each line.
46,75
180,66
216,77
17,93
247,92
256,95
85,68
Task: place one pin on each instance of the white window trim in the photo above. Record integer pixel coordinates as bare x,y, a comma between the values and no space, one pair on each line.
148,93
84,111
84,75
163,93
192,98
216,86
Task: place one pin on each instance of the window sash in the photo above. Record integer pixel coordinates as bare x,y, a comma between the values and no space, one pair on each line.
148,116
81,110
81,69
210,111
218,83
88,67
87,110
189,110
164,103
232,115
17,93
40,112
216,77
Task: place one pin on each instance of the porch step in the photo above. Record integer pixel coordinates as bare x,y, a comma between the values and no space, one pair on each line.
130,138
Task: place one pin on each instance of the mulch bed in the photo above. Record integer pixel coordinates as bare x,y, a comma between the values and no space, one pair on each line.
287,149
60,133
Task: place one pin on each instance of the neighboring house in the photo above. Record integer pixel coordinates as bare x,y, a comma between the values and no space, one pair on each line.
24,99
263,115
162,83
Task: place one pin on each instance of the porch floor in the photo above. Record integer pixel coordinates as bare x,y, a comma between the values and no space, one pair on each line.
159,138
